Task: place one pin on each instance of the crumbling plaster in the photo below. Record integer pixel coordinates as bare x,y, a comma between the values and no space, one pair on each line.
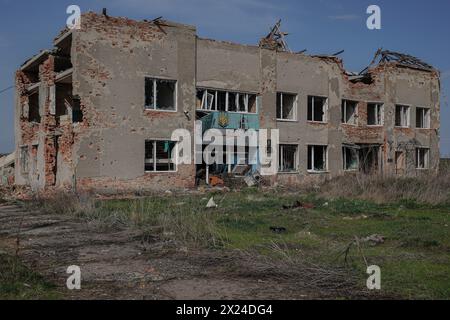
111,58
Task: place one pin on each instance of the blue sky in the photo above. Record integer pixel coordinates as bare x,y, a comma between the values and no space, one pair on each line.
419,28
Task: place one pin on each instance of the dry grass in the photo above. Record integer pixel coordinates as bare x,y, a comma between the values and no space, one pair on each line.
281,262
187,224
430,189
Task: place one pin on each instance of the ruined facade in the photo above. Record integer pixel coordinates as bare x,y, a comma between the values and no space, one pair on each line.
7,169
98,110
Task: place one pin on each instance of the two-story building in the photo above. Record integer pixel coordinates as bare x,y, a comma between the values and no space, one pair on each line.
98,110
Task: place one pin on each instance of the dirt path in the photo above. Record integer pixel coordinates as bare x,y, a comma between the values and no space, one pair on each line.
120,265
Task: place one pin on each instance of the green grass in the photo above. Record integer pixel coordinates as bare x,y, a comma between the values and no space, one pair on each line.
19,283
414,260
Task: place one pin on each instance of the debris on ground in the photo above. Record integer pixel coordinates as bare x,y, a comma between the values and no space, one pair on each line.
249,181
211,203
374,239
299,205
253,179
215,181
278,229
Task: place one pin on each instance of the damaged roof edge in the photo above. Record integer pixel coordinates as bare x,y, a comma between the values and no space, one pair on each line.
62,36
7,160
36,59
226,42
400,60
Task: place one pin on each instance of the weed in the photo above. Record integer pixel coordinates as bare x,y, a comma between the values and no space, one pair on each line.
18,282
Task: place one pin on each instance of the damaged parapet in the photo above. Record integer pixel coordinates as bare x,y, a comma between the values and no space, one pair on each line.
383,57
275,40
401,60
386,57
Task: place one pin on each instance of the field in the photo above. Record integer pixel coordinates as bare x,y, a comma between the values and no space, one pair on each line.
414,257
321,240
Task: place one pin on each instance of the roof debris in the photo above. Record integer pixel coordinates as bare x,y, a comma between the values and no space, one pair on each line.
275,39
401,59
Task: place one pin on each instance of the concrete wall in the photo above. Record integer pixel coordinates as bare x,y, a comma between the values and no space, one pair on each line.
111,58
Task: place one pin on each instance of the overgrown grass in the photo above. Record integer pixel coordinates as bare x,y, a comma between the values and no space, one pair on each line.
19,283
430,189
412,214
182,219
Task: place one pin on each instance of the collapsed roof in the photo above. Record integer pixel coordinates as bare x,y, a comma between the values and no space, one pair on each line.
275,39
400,59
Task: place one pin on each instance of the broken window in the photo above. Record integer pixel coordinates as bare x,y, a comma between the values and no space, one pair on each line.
63,99
369,158
242,100
160,156
348,111
401,116
350,158
287,158
77,113
317,158
252,103
33,108
209,100
214,100
160,94
206,99
23,158
286,106
422,158
232,107
317,107
374,114
221,100
422,118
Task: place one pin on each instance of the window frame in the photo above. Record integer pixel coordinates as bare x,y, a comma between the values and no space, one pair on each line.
426,117
379,113
37,109
344,112
344,159
326,170
426,158
325,109
227,98
154,141
408,116
155,93
294,107
296,156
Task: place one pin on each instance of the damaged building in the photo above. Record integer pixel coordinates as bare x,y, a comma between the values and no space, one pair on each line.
7,163
97,111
